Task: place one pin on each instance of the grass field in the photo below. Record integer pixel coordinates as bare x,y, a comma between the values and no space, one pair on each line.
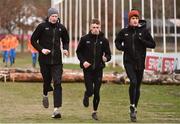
21,102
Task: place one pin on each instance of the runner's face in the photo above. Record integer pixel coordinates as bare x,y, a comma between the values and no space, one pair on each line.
53,18
134,21
95,29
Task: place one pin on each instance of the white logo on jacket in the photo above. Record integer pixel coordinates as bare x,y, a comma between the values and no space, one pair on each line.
88,42
47,28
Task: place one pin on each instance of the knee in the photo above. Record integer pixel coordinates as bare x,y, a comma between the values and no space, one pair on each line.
133,83
97,96
57,81
57,85
90,93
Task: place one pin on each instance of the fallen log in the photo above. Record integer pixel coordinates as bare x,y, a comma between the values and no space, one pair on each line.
68,76
25,76
34,75
159,78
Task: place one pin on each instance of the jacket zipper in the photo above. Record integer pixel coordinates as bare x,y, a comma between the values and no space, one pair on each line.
133,45
94,61
52,51
134,48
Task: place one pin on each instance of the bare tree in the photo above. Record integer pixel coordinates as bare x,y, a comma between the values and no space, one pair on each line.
22,15
8,14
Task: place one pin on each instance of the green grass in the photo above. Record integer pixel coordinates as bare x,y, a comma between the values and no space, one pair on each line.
108,68
21,102
23,60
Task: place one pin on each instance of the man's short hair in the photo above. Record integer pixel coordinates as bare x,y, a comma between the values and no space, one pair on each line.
95,21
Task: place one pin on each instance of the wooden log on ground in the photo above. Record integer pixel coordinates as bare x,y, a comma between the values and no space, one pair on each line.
68,76
25,77
159,78
34,75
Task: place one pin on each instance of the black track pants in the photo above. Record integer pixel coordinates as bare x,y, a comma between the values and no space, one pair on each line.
93,80
135,76
49,73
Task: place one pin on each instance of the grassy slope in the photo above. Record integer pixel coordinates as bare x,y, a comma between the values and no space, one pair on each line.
21,102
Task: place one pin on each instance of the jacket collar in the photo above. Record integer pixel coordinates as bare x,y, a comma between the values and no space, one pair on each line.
142,24
93,35
53,25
